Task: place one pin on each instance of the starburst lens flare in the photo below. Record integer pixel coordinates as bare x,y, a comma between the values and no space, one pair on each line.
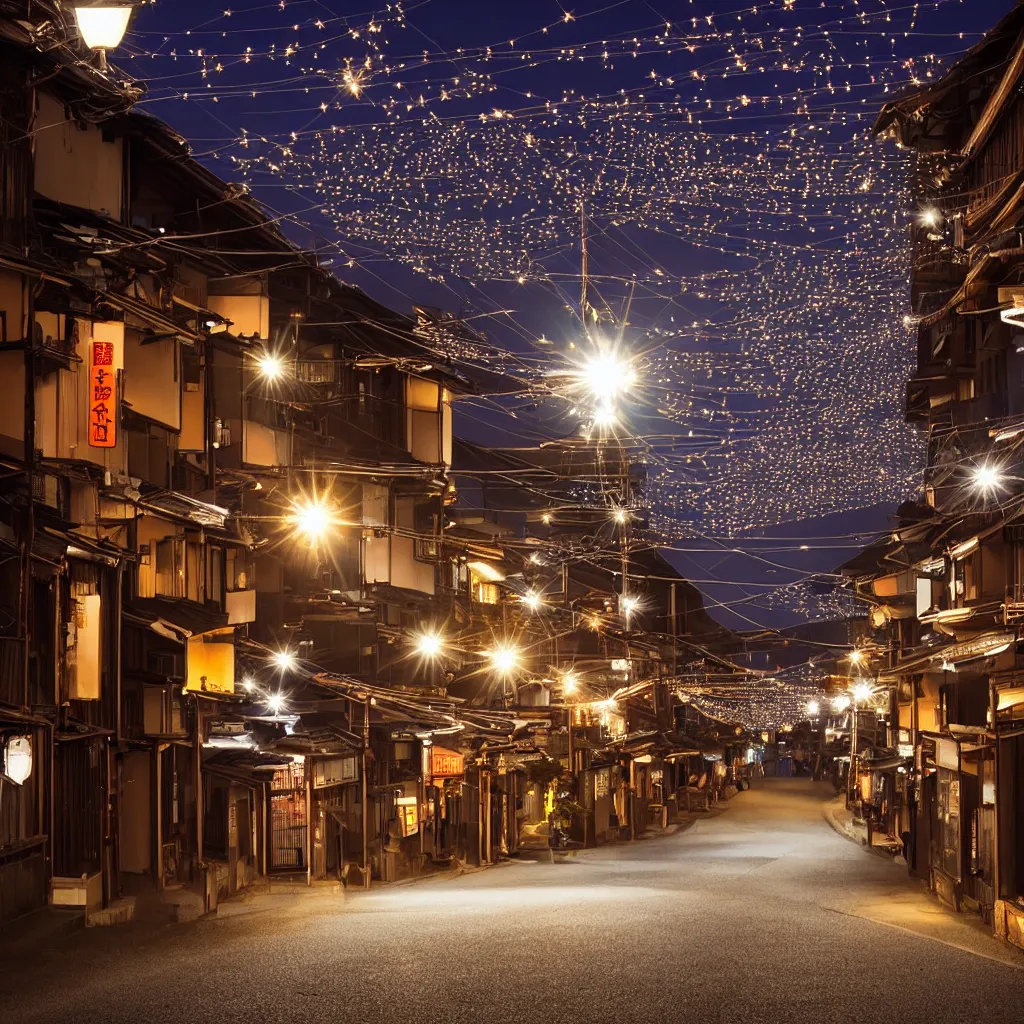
284,660
312,519
504,658
271,367
840,703
813,708
429,645
862,692
607,376
987,479
275,703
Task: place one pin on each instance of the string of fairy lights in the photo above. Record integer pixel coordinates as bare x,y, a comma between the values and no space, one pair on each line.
747,240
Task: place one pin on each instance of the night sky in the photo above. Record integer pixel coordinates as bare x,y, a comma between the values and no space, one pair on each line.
747,240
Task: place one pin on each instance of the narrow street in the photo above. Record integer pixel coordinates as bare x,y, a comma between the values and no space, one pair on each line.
761,913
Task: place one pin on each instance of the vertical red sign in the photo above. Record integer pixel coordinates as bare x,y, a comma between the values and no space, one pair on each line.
102,395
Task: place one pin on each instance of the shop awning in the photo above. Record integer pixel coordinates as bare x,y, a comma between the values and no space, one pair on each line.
884,761
175,618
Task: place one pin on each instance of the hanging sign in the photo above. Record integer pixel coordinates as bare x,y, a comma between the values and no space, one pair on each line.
445,762
102,395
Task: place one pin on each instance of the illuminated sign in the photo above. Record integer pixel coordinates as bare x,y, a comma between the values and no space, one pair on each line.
102,395
445,762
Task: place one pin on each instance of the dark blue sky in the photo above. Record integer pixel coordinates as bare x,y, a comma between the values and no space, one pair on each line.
741,226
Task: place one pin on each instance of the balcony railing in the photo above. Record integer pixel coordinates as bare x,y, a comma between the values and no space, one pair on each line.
1013,607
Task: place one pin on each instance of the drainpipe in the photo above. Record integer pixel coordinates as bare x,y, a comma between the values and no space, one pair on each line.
366,793
200,838
487,823
996,876
309,825
30,464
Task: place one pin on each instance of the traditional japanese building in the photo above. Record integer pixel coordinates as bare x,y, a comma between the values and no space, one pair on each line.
945,588
254,619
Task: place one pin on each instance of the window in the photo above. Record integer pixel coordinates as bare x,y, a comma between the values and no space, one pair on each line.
481,590
170,567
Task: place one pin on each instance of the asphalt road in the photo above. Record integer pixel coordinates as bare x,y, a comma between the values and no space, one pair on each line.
762,913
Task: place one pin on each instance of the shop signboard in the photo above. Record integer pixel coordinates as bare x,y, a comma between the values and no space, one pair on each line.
445,763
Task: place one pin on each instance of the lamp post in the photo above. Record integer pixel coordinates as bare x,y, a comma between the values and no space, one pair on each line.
102,26
862,692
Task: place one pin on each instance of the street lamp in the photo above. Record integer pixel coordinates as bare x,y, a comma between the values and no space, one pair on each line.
862,692
813,708
604,418
312,519
275,703
986,478
270,366
284,660
570,682
504,657
429,645
628,606
606,375
102,26
532,600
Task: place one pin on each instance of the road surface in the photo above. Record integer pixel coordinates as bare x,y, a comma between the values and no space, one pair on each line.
762,913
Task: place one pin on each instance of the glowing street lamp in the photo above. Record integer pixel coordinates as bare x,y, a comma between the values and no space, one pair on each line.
605,419
270,366
312,519
840,703
862,692
284,660
570,682
276,703
429,645
930,216
532,600
102,26
628,606
813,708
986,478
504,658
606,375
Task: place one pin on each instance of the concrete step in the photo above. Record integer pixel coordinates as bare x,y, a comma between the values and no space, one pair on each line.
119,912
